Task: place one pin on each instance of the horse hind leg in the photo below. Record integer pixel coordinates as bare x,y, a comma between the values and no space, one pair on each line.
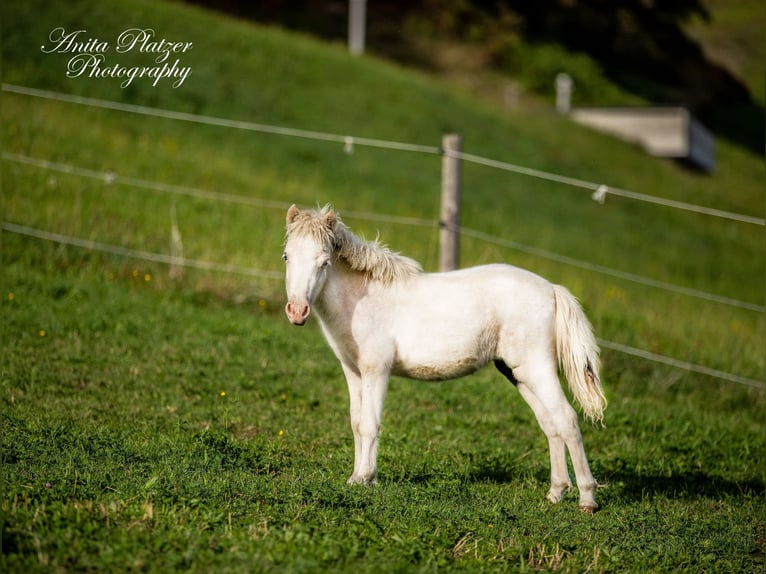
558,420
560,481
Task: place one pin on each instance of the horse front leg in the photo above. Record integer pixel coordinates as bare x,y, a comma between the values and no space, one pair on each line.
354,382
366,424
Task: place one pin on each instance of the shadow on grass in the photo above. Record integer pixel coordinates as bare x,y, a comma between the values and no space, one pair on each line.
686,485
624,482
495,470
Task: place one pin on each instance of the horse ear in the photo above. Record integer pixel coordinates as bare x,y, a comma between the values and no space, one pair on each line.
330,219
292,213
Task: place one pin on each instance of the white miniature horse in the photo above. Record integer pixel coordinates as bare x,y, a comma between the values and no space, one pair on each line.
382,315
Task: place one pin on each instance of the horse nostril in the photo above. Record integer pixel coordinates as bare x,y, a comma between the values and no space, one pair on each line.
297,312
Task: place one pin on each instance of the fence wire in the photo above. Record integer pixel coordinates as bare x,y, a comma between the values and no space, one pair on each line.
114,178
600,191
173,260
267,274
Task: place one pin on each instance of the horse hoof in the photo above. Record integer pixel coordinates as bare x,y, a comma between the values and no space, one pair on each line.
362,480
556,494
589,508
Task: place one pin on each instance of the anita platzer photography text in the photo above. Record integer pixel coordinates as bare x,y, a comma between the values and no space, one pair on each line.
89,56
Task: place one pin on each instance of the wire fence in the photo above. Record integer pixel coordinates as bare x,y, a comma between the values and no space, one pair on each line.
600,190
122,251
599,193
268,274
114,178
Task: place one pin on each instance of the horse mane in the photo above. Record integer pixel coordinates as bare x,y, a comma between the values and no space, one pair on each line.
372,258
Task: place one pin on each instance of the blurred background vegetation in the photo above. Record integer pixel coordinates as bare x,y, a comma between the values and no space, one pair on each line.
707,55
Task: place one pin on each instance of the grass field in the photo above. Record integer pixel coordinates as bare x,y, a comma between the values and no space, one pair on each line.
155,432
160,424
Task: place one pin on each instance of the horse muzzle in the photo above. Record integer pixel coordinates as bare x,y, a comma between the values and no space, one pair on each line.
297,312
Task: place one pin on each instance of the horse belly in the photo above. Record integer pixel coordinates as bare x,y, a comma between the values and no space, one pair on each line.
437,370
439,351
448,325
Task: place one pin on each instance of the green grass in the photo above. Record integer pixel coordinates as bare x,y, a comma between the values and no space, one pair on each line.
121,454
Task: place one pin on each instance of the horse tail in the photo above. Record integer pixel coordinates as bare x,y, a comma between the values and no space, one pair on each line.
578,354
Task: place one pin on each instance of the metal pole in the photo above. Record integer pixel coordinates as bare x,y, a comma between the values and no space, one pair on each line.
449,221
357,17
564,86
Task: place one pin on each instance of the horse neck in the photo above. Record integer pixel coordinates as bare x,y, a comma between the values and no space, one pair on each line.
342,289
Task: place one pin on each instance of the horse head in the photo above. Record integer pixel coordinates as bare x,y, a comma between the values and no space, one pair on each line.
307,256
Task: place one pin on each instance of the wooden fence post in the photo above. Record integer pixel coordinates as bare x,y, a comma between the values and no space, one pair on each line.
449,220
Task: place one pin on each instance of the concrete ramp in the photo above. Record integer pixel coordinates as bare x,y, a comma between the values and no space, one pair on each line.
663,131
